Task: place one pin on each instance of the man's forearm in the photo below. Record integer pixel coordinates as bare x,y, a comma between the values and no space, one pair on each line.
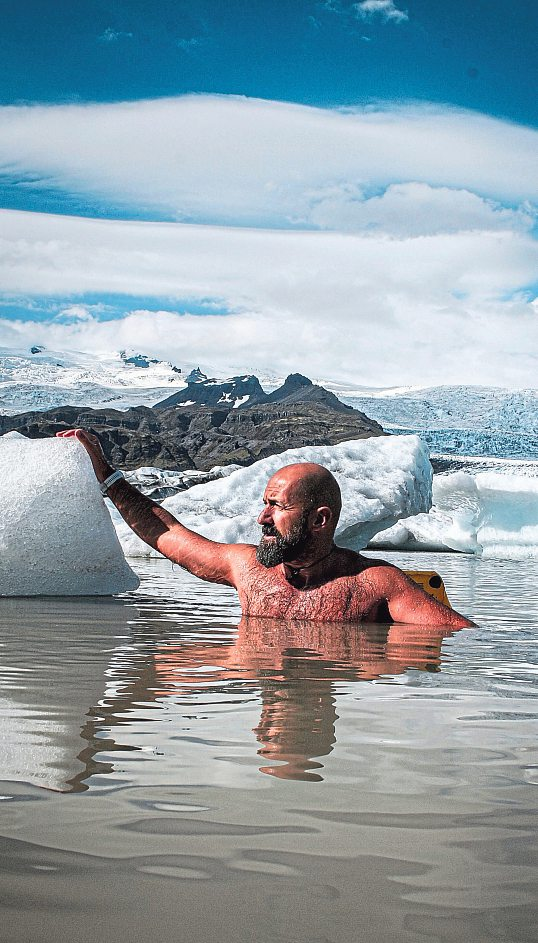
147,519
161,530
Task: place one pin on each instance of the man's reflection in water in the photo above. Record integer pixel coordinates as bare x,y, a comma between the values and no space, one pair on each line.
297,723
293,665
296,664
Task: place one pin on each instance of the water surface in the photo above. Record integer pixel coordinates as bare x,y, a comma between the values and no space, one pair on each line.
167,773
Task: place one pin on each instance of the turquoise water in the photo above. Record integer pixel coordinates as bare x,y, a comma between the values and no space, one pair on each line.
167,774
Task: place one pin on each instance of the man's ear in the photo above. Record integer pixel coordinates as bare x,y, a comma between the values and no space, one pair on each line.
323,517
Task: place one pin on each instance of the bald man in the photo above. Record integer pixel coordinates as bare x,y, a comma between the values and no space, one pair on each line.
296,571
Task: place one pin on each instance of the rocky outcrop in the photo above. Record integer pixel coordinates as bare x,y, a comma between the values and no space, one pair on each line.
202,391
193,436
141,360
195,376
242,392
299,389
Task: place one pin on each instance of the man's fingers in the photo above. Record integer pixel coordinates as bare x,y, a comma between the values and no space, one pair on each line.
77,434
71,433
93,448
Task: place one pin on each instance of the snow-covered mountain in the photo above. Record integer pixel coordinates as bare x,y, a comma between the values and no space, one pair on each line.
37,378
41,379
455,420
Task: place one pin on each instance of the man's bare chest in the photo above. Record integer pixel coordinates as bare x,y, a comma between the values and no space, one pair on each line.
349,598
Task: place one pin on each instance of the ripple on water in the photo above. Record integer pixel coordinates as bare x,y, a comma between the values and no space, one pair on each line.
299,782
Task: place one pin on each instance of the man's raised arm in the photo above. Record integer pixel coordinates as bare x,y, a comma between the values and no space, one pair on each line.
207,559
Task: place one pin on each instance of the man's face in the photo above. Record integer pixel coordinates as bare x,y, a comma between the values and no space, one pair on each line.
284,522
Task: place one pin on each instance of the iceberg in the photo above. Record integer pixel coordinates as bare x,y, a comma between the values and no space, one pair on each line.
382,479
56,538
490,514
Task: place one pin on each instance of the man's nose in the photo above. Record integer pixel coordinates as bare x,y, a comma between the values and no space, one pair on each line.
265,516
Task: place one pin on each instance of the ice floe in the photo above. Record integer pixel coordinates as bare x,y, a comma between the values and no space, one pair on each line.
490,513
56,538
382,478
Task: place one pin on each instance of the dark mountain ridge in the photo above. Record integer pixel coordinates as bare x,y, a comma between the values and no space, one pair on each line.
242,392
203,391
195,433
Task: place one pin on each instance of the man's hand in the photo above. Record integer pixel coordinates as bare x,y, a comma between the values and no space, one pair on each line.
93,447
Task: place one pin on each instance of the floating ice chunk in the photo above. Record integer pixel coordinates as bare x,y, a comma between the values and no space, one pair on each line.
148,477
490,514
382,480
56,538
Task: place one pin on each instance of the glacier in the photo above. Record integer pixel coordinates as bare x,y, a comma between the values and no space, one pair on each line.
56,537
463,420
493,514
47,378
382,480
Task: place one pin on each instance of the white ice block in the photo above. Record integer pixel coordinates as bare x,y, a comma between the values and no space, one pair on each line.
490,514
56,537
382,479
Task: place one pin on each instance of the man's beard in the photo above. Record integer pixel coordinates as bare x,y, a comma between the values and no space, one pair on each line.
282,549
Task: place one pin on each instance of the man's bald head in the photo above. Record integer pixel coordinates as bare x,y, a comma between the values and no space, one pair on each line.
301,508
313,485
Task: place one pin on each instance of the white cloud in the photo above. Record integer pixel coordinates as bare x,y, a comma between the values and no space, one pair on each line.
374,310
413,209
415,268
112,35
248,162
385,9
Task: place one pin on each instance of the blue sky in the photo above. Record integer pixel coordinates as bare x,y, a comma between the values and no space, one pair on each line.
208,174
478,54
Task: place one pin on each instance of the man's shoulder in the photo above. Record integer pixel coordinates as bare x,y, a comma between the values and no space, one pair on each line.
362,564
381,572
244,555
246,551
379,575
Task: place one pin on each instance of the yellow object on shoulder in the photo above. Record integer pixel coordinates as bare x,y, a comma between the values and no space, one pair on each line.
431,583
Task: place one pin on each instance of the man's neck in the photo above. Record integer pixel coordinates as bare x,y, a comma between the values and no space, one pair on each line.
303,573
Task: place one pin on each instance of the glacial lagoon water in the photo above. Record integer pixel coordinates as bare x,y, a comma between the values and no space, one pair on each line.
169,775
